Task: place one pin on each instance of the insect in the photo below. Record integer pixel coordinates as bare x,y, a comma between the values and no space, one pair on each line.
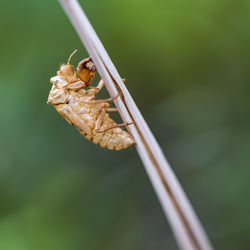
74,99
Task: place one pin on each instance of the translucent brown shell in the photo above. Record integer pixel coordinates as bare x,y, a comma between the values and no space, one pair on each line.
75,102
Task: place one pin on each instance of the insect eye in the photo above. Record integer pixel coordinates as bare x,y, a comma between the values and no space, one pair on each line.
91,66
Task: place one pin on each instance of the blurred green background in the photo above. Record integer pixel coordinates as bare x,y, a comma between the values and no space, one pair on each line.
187,67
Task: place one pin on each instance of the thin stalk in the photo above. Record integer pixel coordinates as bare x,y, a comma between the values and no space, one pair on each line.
184,223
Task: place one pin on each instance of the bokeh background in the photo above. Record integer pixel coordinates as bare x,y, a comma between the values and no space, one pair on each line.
187,67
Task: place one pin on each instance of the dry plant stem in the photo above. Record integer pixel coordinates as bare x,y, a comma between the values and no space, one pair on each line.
181,216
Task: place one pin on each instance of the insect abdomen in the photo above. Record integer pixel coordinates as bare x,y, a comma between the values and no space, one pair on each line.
114,139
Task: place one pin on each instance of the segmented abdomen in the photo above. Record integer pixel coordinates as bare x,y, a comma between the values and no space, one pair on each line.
114,139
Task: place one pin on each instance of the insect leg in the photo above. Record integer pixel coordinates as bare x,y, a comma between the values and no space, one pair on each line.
76,85
114,126
101,85
102,100
111,109
100,121
98,87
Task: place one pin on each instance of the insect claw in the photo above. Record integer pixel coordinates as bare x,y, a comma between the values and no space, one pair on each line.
117,96
130,123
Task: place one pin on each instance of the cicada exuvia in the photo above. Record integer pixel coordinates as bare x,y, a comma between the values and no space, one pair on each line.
74,99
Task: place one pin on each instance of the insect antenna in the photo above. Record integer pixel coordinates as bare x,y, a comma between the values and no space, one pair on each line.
71,56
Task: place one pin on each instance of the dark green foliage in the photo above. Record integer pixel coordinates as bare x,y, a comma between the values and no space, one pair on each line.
187,66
